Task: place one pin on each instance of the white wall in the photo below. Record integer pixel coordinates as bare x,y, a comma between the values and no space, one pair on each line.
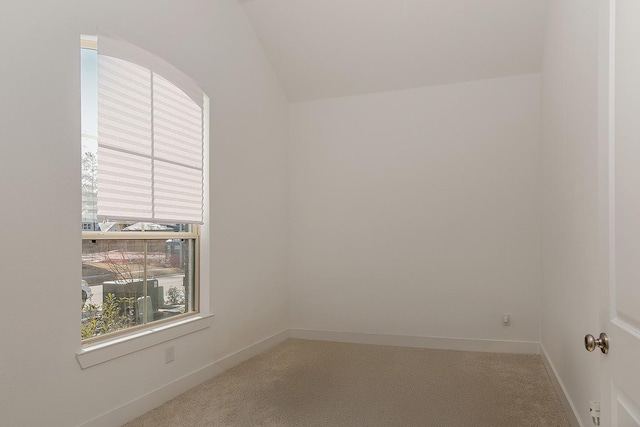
411,213
42,383
569,187
416,212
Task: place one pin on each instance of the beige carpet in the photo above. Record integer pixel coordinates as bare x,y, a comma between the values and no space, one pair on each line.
315,383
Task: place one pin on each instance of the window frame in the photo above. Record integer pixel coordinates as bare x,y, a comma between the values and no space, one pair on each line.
105,347
193,234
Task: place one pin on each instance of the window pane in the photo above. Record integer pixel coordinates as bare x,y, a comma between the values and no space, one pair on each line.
133,282
89,111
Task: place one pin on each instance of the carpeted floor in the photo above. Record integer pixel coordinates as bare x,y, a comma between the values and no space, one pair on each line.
316,383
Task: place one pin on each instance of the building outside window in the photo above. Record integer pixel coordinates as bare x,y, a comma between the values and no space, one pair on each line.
142,189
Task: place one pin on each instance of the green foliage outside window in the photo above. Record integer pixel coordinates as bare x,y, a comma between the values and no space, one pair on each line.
99,321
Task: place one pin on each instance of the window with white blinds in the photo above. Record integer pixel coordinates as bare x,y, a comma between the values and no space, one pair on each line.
150,138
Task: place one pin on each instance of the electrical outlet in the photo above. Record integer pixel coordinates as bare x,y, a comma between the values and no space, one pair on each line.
168,355
506,320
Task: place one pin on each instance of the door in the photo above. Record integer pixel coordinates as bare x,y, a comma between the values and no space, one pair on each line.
620,211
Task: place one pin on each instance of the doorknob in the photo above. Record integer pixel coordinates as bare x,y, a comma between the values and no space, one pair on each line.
590,343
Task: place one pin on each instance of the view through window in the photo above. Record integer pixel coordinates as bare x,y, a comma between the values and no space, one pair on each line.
135,271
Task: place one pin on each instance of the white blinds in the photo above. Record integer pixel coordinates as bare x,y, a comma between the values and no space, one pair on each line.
150,138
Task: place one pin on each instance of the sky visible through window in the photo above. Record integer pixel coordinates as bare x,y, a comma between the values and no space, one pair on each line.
89,99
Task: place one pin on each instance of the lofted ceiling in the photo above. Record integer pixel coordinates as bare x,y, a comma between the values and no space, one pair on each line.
332,48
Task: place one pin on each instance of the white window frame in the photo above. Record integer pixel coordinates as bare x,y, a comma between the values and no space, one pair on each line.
97,350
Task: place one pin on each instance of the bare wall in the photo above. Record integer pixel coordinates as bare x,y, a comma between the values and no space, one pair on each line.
42,383
416,212
570,194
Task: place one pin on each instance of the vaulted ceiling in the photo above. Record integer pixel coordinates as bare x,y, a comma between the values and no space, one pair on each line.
332,48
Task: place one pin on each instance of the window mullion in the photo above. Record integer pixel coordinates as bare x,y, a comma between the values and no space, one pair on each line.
145,293
153,149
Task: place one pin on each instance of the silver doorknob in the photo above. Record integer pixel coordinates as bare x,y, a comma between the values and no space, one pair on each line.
590,343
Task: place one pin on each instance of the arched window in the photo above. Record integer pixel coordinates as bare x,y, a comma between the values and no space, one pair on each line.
142,187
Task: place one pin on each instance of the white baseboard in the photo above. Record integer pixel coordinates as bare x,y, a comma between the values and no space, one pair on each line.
157,397
440,343
561,391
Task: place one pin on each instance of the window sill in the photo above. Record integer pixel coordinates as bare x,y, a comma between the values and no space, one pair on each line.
94,354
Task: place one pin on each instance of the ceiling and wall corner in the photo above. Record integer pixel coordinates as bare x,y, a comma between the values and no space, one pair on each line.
359,48
426,150
334,48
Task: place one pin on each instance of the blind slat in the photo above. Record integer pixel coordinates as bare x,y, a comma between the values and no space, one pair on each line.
150,140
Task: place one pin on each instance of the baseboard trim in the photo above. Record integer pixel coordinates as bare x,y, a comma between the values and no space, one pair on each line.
145,403
441,343
157,397
561,391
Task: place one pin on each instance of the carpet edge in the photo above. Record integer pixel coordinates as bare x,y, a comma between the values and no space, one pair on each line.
439,343
145,403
